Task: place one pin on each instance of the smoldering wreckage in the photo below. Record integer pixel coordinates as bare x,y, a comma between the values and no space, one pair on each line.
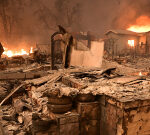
75,91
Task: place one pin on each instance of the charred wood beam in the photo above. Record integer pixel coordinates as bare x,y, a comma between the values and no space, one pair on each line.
22,76
10,94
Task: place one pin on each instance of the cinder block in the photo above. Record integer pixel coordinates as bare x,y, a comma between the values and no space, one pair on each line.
120,117
69,129
88,110
89,127
52,131
67,124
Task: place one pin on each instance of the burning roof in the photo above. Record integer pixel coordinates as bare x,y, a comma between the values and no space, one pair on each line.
123,32
141,25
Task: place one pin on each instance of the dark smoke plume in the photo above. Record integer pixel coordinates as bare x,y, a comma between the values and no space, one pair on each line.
33,21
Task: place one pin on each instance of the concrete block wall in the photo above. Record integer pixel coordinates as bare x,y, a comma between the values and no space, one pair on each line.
89,118
119,118
106,116
67,124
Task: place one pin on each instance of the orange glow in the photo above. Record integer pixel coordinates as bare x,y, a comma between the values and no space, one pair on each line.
140,74
131,43
11,53
31,50
142,25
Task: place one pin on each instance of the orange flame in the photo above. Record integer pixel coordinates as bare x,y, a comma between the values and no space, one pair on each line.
11,53
142,25
131,43
31,50
140,73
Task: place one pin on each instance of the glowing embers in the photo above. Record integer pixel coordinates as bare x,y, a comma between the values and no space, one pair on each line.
142,25
131,43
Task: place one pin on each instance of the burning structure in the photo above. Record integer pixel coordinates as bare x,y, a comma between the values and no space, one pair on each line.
66,86
124,42
121,41
97,98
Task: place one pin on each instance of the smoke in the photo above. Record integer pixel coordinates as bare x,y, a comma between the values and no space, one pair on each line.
102,15
129,11
32,22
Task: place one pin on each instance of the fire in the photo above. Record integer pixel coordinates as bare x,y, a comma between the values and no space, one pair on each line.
142,25
31,50
11,53
140,73
131,43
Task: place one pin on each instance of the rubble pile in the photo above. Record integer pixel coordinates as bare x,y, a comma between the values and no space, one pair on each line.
128,64
39,105
15,61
